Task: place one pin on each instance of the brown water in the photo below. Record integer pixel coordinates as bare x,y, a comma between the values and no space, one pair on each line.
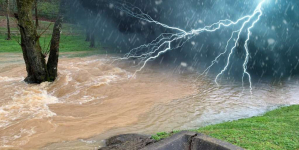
93,99
89,97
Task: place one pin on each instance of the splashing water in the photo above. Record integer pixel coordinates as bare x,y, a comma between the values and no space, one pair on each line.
89,96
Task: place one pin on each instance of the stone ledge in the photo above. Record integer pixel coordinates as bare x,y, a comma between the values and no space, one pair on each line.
184,140
205,142
179,141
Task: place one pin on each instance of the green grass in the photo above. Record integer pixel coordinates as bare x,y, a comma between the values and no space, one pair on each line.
67,44
9,46
70,39
278,129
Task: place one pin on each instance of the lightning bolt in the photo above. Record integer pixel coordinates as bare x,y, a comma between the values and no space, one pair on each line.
166,41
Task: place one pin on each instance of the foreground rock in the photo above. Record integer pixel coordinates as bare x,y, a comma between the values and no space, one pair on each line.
181,141
128,142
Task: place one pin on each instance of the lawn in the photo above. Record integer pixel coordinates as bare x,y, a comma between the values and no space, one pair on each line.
68,44
278,129
71,39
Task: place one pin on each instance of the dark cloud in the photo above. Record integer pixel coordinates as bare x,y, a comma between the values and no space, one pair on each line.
273,45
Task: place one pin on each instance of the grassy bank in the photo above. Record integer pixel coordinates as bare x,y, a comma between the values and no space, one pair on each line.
67,44
71,38
278,129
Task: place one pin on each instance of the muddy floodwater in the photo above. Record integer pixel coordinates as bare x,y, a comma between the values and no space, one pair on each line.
93,99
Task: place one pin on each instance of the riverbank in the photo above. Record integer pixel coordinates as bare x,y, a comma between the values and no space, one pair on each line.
72,38
210,105
277,129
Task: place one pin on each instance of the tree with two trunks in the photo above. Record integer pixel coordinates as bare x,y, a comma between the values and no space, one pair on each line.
38,69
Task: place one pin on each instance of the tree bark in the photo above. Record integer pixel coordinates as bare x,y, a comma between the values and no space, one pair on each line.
34,59
7,18
88,29
37,69
36,14
54,48
87,34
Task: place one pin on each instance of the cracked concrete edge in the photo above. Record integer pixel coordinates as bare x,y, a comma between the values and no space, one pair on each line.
179,141
187,140
202,141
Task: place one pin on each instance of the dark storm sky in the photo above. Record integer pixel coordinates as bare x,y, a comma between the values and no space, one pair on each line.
273,46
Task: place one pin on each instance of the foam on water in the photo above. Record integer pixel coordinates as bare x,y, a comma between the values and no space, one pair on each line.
8,79
13,137
77,81
23,105
29,103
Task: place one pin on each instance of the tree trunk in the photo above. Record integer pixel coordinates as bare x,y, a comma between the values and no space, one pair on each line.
37,70
7,18
54,49
88,29
87,34
36,14
34,59
92,40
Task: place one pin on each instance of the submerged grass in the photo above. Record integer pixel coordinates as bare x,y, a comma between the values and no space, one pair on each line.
278,129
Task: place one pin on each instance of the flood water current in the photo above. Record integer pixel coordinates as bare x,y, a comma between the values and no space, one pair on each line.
93,99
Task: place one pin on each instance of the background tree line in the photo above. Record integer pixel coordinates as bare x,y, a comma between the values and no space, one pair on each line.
47,9
41,65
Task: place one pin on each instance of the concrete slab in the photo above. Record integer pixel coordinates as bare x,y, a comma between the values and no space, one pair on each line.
184,140
191,141
204,142
179,141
